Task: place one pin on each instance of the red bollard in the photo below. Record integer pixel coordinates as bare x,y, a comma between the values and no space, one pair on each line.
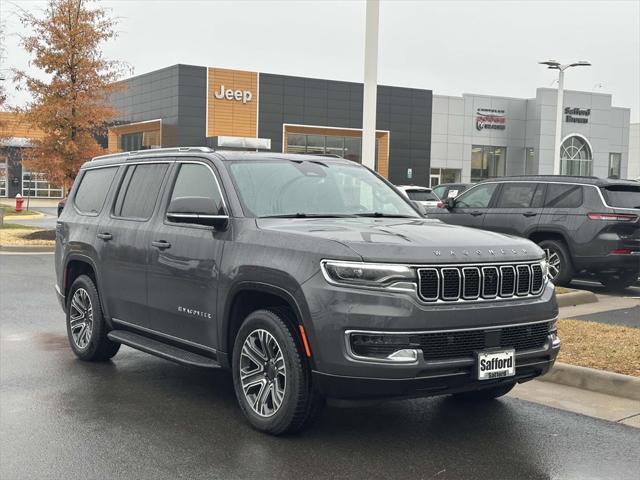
19,202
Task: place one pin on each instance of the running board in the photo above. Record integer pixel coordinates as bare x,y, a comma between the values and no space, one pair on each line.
160,349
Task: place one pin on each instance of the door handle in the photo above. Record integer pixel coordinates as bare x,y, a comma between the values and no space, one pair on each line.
105,236
530,214
161,244
476,213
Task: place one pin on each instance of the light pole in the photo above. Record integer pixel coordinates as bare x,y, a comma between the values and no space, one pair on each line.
555,65
370,84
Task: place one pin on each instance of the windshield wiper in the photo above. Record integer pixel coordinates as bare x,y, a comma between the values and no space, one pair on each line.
309,215
383,215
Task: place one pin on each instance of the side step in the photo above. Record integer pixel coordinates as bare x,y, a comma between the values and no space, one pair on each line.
160,349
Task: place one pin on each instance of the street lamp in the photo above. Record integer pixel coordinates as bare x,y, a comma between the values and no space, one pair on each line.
555,65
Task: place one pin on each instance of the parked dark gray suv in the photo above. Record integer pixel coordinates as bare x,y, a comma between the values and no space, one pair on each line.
307,277
584,224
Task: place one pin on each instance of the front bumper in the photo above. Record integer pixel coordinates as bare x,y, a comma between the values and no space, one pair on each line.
437,378
336,310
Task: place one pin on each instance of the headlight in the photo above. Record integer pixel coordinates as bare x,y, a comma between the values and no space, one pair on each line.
366,274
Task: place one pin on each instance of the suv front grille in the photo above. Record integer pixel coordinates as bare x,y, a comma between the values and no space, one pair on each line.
452,283
453,343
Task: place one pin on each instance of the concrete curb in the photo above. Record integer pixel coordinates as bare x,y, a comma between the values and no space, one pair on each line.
30,216
594,380
577,297
27,248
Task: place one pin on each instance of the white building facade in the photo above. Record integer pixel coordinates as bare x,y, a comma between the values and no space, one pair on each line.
476,136
634,152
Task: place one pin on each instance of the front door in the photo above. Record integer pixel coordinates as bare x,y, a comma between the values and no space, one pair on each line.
517,209
470,207
185,263
123,243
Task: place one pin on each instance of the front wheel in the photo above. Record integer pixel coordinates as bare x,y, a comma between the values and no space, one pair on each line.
619,281
271,378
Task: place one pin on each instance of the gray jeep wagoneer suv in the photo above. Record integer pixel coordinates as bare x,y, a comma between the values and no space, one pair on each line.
307,277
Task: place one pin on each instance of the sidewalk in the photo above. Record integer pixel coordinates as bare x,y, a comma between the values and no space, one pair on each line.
585,402
33,202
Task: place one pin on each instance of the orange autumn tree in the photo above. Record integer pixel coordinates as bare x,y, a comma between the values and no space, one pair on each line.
70,96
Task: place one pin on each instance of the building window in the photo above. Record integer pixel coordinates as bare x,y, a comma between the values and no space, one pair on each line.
575,157
3,179
615,159
36,185
140,140
345,147
444,175
530,161
487,162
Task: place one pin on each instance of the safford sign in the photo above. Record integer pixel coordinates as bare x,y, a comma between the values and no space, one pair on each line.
491,119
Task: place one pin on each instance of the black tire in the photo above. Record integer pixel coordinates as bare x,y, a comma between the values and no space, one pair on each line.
620,280
556,249
92,346
300,405
485,394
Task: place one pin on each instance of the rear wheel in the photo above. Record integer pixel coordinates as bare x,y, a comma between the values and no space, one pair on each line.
271,378
619,280
485,394
86,327
560,267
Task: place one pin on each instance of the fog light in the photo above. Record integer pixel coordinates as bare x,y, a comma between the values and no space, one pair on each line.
405,355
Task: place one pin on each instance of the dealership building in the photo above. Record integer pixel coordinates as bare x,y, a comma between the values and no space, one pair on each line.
421,138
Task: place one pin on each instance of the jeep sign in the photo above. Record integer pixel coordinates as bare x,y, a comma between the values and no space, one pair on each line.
243,96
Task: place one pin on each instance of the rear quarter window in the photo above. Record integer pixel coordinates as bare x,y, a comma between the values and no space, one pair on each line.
622,196
561,195
92,191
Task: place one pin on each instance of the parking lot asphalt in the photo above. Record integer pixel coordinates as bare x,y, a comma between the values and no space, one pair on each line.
142,417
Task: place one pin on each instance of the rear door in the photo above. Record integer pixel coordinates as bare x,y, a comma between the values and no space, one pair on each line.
517,208
123,242
185,262
564,213
470,207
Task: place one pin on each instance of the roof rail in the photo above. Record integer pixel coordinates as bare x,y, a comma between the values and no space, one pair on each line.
153,150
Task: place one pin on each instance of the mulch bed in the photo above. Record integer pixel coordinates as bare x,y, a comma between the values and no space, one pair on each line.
41,235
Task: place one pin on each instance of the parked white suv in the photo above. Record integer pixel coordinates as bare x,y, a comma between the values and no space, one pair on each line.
423,195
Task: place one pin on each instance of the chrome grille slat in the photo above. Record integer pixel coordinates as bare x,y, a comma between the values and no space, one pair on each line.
507,280
449,283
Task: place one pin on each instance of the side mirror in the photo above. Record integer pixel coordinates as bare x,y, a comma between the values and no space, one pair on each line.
450,203
198,211
420,207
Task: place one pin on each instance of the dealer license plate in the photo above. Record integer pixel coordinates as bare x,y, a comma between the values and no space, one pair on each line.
496,364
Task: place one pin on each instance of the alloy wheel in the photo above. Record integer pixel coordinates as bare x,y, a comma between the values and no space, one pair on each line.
263,374
554,263
81,318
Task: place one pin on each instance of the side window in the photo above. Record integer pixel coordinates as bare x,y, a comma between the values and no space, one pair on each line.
478,197
563,196
195,180
516,195
139,191
93,189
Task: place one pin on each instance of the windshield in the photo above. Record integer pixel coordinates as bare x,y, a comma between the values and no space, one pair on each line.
421,196
314,188
622,196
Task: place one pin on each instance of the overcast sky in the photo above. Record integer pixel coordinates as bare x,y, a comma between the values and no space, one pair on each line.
451,47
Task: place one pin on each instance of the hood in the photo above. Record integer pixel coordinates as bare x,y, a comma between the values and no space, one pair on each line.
417,241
